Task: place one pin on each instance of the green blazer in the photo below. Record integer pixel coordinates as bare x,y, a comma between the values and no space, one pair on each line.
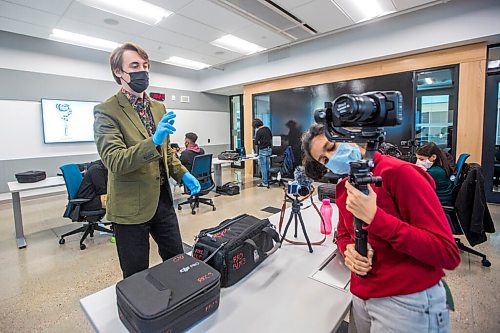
131,157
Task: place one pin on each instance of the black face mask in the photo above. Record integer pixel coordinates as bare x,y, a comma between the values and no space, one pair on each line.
139,81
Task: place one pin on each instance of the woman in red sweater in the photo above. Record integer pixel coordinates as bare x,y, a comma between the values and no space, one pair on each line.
409,239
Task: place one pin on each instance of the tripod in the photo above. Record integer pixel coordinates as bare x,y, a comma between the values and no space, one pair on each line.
296,215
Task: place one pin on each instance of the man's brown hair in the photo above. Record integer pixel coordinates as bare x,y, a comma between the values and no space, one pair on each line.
116,58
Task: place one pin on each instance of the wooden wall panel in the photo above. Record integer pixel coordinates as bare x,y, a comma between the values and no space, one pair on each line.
472,61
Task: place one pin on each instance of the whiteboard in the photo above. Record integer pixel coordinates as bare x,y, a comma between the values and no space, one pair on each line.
21,133
207,125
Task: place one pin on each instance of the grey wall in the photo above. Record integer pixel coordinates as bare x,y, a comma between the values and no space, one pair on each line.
32,86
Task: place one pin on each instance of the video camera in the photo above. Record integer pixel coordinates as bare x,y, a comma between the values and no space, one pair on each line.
301,184
360,118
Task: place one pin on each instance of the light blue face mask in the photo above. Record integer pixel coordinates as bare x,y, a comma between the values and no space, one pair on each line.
345,153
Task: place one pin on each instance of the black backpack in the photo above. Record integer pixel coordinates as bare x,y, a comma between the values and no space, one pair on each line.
228,189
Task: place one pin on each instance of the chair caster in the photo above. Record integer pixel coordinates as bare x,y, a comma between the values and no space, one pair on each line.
213,208
486,263
83,246
62,241
179,207
193,212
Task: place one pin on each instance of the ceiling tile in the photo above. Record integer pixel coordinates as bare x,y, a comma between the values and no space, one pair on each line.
93,30
217,52
171,38
52,6
172,5
27,14
405,4
261,36
24,28
321,15
290,4
82,13
185,26
214,15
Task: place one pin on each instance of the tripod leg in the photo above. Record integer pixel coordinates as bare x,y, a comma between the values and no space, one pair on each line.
295,235
305,233
286,229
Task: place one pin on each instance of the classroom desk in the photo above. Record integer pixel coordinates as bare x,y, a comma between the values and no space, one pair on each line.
15,188
279,296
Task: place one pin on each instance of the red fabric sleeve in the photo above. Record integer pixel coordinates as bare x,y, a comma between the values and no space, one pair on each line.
343,236
426,234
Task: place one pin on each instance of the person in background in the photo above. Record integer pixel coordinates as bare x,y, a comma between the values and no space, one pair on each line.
131,133
263,140
192,150
176,149
397,287
93,186
431,158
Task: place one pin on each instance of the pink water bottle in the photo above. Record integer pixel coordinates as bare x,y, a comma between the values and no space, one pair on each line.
326,211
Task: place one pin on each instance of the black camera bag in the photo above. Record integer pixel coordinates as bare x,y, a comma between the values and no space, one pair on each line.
228,189
169,297
229,155
236,246
30,176
327,191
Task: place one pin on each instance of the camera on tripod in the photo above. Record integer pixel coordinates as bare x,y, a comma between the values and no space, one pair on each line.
301,185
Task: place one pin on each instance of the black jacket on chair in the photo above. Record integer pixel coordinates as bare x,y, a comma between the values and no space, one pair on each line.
471,207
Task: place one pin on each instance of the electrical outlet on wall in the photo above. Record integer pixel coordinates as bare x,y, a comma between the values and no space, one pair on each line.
173,97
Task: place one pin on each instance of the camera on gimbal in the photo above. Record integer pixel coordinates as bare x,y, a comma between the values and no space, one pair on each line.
360,118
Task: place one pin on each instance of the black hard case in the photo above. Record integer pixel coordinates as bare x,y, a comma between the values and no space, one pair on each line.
30,176
240,245
169,297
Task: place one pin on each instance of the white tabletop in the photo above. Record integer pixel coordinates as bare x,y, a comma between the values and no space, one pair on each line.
47,182
278,296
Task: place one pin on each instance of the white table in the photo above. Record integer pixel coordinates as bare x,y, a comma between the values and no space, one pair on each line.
278,296
15,188
218,166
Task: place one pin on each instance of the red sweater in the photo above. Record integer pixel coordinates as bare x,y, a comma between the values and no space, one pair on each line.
410,234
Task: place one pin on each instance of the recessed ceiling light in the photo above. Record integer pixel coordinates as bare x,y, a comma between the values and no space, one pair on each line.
183,62
137,10
82,40
363,10
235,44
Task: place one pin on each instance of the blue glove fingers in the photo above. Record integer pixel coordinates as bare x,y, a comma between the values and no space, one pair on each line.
167,117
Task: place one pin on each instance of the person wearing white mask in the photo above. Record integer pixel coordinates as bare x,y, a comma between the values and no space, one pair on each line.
397,287
431,158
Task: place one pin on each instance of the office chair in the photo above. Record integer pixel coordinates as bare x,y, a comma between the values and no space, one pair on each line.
452,215
91,218
281,166
202,170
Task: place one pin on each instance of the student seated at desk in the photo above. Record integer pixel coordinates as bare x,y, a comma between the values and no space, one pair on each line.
94,186
191,151
431,158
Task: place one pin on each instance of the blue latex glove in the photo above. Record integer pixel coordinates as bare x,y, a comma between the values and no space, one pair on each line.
192,183
164,128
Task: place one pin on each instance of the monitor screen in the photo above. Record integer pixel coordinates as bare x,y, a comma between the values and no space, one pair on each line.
67,121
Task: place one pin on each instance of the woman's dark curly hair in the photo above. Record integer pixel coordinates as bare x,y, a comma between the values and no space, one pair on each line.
429,149
312,168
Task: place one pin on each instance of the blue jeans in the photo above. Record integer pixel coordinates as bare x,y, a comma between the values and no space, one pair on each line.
264,164
425,311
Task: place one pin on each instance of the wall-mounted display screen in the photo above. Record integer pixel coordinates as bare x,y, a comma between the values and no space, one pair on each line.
67,121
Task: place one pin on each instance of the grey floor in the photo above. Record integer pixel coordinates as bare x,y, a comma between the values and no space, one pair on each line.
41,285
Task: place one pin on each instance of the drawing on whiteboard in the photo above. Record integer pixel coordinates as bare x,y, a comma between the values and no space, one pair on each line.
65,111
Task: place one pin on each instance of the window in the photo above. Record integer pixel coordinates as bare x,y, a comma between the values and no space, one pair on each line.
435,107
236,108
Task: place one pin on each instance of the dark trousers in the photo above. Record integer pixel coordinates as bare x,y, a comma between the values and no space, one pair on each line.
132,240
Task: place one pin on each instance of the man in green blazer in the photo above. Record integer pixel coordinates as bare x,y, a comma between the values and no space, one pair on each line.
132,136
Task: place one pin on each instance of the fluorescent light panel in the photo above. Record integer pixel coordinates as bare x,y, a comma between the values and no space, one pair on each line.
182,62
363,10
82,40
235,44
137,10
